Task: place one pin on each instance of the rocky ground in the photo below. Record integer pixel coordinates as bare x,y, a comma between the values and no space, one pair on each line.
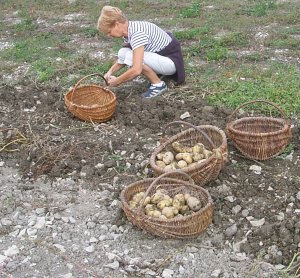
60,194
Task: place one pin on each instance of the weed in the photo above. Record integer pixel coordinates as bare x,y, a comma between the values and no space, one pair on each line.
192,34
90,32
287,151
191,11
293,269
217,53
261,8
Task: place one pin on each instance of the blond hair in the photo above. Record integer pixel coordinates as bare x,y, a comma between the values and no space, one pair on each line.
109,16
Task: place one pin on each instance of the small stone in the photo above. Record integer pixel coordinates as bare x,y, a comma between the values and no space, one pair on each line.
256,169
11,251
185,115
245,212
60,247
40,223
231,231
6,222
257,223
216,273
236,209
114,265
72,220
90,249
167,273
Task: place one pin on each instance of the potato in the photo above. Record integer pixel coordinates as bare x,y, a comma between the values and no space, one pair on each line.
147,201
170,168
198,148
182,164
154,213
168,157
181,149
184,209
180,198
194,203
187,157
160,163
149,207
138,197
168,212
198,156
159,156
166,202
133,204
207,153
157,197
162,217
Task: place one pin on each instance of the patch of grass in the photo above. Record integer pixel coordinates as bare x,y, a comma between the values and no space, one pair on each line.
283,42
255,57
34,48
279,83
90,32
191,11
44,69
261,8
234,39
217,53
288,150
192,34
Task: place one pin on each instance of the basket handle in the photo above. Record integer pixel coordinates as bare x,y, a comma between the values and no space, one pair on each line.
85,77
156,180
259,100
193,126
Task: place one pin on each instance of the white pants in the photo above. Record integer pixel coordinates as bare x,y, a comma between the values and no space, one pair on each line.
160,64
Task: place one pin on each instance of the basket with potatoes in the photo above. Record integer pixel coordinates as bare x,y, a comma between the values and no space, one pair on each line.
169,206
200,151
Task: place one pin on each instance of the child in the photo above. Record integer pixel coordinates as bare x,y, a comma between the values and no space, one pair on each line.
148,50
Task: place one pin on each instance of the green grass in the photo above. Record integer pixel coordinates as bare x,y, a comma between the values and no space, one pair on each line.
261,8
279,83
191,11
213,35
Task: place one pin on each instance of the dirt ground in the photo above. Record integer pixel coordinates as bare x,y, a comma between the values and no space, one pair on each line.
257,212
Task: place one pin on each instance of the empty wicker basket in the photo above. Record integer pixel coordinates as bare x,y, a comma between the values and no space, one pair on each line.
259,138
91,102
183,227
211,136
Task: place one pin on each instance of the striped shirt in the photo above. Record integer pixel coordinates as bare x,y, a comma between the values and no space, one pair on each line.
147,34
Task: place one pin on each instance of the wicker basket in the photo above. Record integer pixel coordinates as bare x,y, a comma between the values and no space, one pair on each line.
259,138
213,139
184,227
91,103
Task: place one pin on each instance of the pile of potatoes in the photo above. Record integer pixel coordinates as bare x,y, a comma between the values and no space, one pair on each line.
182,156
161,205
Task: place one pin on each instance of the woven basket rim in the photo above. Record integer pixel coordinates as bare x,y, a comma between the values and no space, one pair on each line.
285,126
68,96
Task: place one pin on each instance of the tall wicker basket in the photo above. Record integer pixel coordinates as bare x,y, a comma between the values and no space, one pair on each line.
174,182
259,138
213,139
91,102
